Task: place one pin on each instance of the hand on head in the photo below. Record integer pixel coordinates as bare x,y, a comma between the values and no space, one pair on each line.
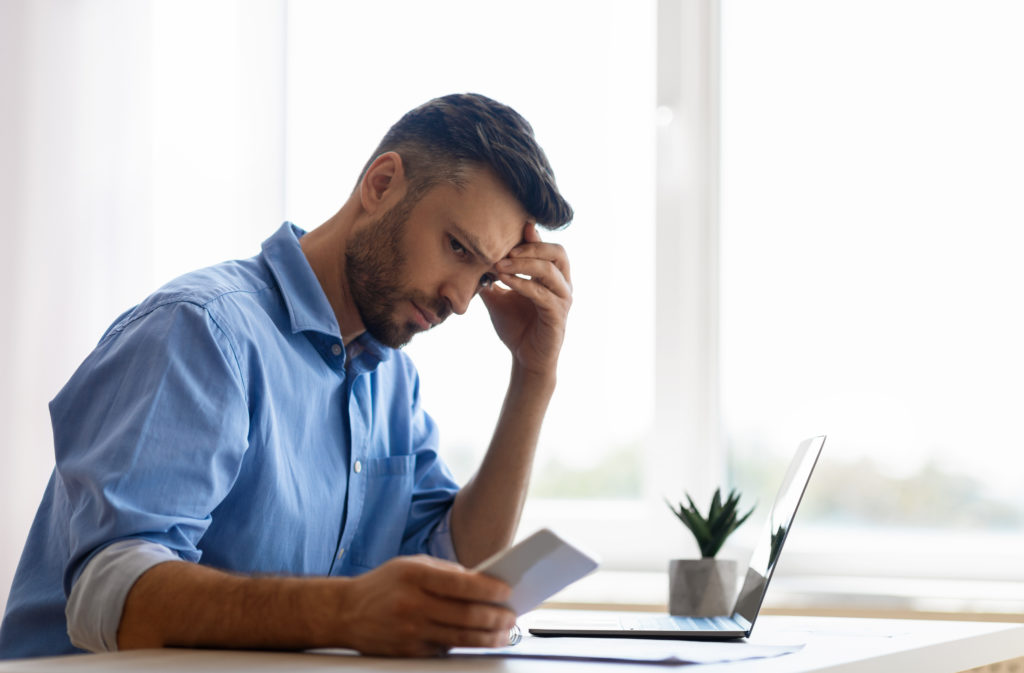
530,317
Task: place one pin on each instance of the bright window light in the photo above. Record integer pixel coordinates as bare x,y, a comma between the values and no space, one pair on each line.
871,238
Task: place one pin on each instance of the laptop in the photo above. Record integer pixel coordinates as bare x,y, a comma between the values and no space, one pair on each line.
748,603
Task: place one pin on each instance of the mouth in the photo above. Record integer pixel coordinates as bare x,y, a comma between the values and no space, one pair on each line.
425,318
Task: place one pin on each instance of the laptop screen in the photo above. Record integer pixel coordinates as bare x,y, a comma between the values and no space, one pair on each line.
780,519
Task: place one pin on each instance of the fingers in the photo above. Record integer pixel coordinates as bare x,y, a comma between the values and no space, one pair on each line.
451,636
460,608
466,615
451,580
548,252
531,267
534,247
432,640
421,606
453,623
539,271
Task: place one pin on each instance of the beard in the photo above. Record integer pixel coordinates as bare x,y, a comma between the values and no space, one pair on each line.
374,267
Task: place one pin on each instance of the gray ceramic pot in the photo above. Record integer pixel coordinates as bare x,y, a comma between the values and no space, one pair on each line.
701,587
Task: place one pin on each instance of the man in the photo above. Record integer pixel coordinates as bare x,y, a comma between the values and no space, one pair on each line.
243,460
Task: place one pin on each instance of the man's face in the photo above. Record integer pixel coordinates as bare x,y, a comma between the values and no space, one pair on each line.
419,262
375,266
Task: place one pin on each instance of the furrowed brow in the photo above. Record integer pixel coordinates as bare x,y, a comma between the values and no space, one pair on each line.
473,244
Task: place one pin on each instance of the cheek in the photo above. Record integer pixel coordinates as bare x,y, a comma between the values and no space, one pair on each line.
424,273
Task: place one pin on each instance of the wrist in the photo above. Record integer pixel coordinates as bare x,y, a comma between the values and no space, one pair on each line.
326,611
533,381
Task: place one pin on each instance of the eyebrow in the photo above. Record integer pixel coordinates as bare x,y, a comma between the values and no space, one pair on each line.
472,243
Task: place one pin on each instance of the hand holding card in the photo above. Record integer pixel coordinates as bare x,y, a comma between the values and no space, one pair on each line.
537,567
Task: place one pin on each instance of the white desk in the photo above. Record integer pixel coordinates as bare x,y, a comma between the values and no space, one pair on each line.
831,644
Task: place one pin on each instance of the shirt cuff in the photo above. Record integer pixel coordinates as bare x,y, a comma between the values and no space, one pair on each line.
94,608
439,543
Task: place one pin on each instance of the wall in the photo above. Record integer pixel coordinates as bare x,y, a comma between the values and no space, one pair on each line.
138,140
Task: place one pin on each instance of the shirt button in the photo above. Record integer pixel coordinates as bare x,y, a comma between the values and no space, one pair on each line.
358,467
336,349
341,552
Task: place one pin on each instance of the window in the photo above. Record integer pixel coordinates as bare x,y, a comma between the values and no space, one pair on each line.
791,218
871,242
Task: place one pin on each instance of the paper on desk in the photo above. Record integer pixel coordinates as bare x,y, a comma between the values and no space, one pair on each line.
632,650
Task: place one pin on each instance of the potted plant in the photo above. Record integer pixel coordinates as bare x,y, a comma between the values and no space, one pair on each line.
705,587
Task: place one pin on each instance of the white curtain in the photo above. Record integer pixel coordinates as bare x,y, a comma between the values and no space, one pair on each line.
138,140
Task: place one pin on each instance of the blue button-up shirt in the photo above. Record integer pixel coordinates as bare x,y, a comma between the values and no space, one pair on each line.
223,419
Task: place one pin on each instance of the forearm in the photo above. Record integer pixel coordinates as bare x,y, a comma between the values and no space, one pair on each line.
187,605
486,511
411,605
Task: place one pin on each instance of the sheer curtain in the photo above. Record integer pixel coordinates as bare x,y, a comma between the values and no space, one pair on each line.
138,140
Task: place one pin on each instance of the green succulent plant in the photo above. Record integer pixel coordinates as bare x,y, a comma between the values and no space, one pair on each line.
711,531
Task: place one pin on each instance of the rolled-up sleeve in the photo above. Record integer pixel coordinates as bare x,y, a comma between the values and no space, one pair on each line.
97,600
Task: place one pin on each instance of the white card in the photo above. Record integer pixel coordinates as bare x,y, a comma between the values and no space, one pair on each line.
537,567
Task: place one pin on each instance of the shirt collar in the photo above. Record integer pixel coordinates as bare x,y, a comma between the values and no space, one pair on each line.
303,295
374,348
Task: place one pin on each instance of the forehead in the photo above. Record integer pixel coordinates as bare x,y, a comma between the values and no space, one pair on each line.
482,210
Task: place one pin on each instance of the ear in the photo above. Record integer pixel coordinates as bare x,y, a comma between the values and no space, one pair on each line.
383,183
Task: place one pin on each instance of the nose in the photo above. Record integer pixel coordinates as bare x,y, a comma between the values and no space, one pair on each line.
458,293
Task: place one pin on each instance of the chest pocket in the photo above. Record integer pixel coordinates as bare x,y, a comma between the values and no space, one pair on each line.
386,504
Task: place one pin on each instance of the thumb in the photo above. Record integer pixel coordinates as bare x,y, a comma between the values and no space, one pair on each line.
498,300
490,296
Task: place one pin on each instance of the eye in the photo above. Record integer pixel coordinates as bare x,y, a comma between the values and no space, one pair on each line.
487,280
456,247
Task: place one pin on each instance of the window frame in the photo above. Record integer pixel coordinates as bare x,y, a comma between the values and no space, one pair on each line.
686,451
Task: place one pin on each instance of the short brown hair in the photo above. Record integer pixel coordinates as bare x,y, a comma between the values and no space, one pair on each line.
439,139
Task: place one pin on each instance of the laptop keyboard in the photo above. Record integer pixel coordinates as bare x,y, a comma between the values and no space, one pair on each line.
670,623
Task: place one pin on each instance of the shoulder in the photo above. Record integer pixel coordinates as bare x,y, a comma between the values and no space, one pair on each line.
205,292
